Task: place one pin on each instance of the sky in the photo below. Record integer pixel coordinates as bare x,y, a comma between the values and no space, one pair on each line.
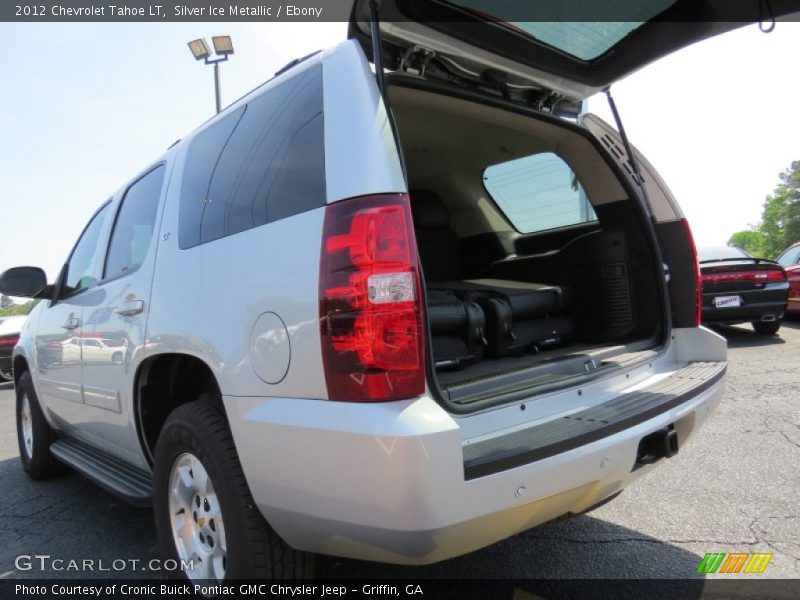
85,107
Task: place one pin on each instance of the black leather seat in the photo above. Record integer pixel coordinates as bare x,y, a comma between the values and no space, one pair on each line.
527,299
438,245
519,315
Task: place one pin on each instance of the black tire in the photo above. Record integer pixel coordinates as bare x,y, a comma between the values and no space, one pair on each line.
40,464
767,327
254,550
6,375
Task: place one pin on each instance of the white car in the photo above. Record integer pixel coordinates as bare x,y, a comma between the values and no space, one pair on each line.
394,335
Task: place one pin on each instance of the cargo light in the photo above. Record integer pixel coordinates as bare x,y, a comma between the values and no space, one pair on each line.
371,319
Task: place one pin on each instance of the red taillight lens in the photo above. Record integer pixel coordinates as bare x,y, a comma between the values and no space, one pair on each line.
370,307
698,284
9,341
748,275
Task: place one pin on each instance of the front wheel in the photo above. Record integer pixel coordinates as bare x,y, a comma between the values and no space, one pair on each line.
34,435
205,515
767,327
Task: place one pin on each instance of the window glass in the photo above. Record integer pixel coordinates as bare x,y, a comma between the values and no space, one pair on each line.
135,222
272,165
538,192
789,258
587,39
83,263
720,253
201,160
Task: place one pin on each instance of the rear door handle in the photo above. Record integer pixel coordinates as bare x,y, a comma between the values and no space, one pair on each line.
134,307
72,323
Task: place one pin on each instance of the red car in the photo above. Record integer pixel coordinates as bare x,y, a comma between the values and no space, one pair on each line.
738,288
790,261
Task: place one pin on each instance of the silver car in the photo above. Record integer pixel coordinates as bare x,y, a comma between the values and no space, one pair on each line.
397,335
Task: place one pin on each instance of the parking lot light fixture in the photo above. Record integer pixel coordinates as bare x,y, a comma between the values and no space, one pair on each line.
223,47
199,49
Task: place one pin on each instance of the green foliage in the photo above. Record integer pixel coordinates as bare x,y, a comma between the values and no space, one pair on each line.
780,219
751,240
12,309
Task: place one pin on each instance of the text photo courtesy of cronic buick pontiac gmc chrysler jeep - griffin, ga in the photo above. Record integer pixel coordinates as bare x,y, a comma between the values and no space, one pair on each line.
414,319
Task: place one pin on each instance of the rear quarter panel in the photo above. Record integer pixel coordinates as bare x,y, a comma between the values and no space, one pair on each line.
206,299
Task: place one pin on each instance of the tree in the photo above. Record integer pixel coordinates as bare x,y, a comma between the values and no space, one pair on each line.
791,211
780,219
18,309
5,302
751,240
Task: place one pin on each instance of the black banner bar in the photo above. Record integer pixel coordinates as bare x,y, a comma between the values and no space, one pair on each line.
600,589
744,11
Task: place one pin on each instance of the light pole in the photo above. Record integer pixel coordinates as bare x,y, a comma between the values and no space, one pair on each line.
223,47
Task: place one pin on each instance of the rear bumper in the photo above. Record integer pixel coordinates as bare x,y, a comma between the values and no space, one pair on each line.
769,301
740,314
388,482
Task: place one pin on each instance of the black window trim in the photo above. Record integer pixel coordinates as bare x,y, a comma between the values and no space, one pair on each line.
251,97
60,294
103,280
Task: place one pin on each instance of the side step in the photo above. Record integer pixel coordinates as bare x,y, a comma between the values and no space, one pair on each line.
129,483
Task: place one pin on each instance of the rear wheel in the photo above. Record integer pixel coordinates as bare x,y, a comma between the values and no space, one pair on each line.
34,435
203,507
6,375
767,327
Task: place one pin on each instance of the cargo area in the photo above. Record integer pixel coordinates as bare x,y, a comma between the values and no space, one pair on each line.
537,267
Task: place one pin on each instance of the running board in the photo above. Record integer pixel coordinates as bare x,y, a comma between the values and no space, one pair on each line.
129,483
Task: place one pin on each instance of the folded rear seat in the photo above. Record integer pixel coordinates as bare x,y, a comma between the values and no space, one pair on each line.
520,316
457,329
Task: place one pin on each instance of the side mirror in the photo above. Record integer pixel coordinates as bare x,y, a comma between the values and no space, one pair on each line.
25,282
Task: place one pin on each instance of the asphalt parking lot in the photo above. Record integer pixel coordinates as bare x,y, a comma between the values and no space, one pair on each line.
733,488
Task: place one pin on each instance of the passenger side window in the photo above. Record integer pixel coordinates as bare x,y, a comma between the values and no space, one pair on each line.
83,262
270,164
538,192
135,223
790,257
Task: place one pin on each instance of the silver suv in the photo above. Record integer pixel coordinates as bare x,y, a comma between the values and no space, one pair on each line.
322,326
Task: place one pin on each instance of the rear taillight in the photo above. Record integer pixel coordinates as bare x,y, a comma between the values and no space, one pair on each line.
9,341
698,284
764,276
371,319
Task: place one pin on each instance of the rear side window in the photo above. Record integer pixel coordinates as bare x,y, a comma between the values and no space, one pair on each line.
538,192
86,256
790,257
135,223
265,163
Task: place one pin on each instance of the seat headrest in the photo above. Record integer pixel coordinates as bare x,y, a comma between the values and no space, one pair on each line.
428,210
